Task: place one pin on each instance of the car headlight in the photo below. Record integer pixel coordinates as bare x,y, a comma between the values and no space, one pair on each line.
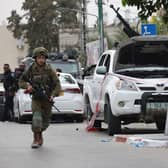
126,85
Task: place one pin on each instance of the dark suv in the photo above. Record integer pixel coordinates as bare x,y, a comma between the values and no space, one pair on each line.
67,64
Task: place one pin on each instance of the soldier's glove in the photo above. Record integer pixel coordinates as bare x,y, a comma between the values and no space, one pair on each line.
51,99
28,90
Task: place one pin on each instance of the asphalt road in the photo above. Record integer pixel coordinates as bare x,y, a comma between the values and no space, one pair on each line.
69,145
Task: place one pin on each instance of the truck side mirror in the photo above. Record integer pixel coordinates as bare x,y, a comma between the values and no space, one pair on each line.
101,70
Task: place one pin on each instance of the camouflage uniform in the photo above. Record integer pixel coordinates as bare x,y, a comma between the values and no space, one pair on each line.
41,108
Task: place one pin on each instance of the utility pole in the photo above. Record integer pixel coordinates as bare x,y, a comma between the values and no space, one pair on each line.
84,30
101,28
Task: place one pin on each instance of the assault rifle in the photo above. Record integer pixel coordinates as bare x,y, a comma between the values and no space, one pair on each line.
127,29
39,91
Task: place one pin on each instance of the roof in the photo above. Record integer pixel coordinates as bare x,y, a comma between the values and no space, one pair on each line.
150,38
136,39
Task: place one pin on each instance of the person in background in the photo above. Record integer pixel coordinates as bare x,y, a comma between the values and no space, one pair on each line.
9,86
41,81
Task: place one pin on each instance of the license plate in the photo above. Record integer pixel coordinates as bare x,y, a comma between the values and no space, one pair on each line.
157,106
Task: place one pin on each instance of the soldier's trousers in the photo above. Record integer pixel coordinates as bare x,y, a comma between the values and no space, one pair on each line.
41,115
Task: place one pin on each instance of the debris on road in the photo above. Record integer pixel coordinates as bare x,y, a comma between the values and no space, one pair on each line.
141,142
106,140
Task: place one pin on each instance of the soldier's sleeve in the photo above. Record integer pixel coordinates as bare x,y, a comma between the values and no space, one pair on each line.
57,88
24,79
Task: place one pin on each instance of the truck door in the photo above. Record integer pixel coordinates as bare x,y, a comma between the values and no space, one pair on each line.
98,78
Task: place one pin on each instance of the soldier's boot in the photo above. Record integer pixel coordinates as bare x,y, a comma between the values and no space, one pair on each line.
40,138
36,139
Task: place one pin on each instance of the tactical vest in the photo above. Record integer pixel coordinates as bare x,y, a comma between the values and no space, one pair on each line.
41,80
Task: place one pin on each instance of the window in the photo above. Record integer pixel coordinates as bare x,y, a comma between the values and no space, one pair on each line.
102,60
107,63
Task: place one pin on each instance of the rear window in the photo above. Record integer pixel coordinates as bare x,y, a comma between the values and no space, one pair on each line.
66,79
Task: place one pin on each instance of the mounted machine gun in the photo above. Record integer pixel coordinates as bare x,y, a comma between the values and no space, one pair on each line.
127,29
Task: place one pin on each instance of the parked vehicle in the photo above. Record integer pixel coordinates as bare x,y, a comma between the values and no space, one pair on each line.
130,84
70,104
88,71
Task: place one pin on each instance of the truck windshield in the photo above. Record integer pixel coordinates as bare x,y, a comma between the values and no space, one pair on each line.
143,54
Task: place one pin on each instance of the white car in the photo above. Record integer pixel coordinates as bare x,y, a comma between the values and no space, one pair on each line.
70,103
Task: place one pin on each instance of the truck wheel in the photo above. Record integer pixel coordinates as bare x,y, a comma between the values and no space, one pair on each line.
160,123
89,113
114,123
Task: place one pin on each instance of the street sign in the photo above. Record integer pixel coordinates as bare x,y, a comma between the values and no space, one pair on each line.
148,29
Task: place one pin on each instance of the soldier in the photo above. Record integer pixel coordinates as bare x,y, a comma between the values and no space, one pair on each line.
9,85
40,76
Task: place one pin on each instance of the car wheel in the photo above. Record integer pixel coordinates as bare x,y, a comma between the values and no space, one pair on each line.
20,119
79,118
1,112
19,116
160,123
11,115
114,123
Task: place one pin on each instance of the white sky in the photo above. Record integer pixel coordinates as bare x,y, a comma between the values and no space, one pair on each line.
110,14
8,5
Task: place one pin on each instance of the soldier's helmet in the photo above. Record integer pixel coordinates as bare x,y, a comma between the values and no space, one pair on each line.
40,51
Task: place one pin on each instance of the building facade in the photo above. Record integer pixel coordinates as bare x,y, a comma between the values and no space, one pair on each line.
11,49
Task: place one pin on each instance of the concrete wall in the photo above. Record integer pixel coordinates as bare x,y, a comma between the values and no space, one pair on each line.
9,49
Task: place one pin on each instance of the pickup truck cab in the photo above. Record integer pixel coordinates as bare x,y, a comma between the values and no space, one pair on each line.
129,84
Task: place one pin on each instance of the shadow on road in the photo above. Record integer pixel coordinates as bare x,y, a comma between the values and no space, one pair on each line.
127,130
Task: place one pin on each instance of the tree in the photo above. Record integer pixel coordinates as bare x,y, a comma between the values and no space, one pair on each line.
147,7
43,21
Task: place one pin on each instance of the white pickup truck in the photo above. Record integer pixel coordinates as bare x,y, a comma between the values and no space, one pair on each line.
129,84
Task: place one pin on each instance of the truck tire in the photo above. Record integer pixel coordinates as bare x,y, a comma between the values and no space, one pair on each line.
89,113
160,123
114,123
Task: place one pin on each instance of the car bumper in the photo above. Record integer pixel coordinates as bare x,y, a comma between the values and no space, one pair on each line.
68,107
123,102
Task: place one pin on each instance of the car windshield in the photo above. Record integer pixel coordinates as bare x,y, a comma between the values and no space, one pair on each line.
66,79
66,67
